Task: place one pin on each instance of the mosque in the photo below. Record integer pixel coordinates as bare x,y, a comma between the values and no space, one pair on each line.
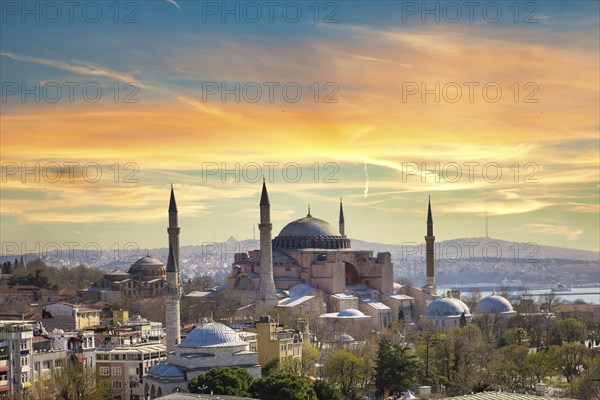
310,268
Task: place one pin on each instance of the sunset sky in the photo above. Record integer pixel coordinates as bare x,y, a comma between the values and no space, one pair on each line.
374,137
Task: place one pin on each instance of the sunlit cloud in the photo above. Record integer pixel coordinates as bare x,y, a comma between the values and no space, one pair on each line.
569,233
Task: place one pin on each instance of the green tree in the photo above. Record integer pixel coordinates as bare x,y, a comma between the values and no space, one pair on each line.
233,381
282,386
510,368
539,365
513,336
72,382
569,330
587,385
304,366
271,367
348,372
396,367
326,391
569,359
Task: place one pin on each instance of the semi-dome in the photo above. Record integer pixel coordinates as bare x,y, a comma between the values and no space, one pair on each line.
310,232
212,334
446,307
493,304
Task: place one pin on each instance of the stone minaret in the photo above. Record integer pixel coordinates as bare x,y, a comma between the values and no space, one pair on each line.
173,229
267,296
174,290
429,239
342,227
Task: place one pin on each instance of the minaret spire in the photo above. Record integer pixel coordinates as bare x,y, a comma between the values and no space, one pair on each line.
267,296
429,263
174,289
342,225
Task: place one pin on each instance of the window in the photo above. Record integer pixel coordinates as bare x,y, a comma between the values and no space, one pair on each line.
117,384
134,371
104,371
46,364
116,370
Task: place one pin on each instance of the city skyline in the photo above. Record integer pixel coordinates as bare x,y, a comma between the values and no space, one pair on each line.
378,108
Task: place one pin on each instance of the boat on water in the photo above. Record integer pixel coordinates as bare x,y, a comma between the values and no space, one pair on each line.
561,287
512,284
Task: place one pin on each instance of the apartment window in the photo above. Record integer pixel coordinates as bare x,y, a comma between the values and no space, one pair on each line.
58,363
117,384
116,370
134,371
104,371
46,364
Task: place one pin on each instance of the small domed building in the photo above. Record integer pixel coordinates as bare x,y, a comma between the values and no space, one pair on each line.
146,277
447,312
209,345
494,307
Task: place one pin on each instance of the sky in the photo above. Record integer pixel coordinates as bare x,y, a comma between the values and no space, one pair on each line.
490,108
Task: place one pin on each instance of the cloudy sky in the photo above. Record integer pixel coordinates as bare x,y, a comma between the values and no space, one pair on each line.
489,108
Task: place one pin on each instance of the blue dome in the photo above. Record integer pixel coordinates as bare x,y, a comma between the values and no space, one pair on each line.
446,307
493,304
350,313
212,334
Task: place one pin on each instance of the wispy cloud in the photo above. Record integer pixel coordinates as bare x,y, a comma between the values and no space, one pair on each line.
75,66
568,232
174,3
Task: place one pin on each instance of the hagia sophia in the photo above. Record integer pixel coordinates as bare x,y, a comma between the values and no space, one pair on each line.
308,269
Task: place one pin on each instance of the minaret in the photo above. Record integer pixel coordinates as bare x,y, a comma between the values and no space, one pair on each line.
173,229
174,290
342,227
429,239
267,297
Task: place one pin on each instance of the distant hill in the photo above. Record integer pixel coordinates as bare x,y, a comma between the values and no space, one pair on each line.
487,247
463,248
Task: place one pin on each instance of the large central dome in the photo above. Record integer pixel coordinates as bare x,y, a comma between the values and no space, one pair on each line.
310,232
309,226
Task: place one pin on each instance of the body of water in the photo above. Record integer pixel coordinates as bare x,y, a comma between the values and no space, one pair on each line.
588,294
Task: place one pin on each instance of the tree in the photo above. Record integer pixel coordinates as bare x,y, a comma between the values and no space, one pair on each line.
326,391
71,382
510,368
348,372
304,366
282,386
539,365
587,385
569,359
271,367
569,330
232,381
396,367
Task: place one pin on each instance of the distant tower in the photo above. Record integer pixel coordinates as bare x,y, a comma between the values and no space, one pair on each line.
342,227
174,290
429,239
267,297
